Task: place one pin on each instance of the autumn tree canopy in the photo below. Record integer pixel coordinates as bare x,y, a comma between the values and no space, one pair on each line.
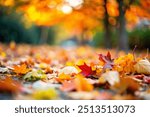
84,16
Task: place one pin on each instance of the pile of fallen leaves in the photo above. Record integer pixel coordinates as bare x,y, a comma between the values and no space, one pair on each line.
43,72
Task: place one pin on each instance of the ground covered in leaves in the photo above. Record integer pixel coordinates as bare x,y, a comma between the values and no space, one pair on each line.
47,72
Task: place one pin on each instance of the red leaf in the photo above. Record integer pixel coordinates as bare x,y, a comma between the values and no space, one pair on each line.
108,62
139,76
86,70
146,79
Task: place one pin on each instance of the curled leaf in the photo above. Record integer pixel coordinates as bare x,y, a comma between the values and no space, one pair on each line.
143,66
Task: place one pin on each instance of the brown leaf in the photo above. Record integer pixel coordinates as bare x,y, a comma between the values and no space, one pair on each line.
108,62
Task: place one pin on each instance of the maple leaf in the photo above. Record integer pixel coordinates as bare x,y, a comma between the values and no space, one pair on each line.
108,62
21,69
86,70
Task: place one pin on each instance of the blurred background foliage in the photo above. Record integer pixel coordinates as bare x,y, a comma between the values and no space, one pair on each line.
100,23
139,37
13,28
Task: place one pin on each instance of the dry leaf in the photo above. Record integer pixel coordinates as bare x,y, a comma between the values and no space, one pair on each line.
69,70
4,70
112,77
143,67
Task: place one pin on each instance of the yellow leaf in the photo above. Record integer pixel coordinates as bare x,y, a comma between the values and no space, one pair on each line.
63,77
124,64
48,94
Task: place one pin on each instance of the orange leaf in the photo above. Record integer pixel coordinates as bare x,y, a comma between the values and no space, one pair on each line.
9,85
62,77
82,84
21,69
68,85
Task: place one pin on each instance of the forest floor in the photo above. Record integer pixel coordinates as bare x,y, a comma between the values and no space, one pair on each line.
50,72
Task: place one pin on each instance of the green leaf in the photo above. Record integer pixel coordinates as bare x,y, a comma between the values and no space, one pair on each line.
35,75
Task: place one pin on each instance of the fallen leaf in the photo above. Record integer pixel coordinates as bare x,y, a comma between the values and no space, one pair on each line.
124,64
69,70
108,62
4,70
82,84
9,85
48,94
126,84
21,69
62,77
35,75
146,79
112,77
86,70
68,86
143,66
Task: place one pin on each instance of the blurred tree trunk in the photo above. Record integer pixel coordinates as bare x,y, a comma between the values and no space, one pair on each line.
44,35
122,33
107,33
